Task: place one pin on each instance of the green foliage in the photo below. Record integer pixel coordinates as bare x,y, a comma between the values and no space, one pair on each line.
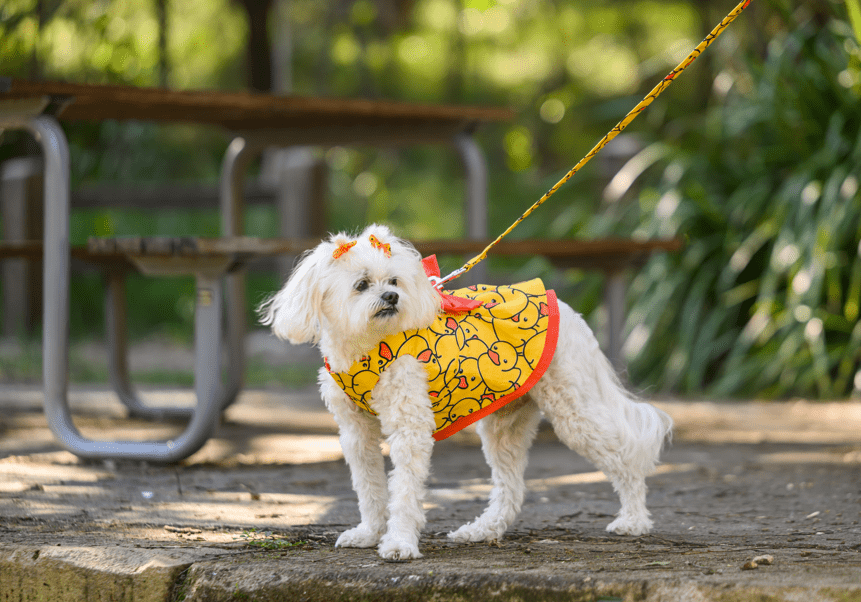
853,9
118,42
754,161
764,299
555,64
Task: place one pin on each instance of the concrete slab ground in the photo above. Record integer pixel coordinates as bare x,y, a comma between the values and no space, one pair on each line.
254,515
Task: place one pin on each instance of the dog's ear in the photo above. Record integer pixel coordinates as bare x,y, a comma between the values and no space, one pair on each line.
294,312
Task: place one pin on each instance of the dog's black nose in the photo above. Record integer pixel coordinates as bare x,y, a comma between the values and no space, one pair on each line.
390,297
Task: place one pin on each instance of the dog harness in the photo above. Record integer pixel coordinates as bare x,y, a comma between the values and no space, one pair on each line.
477,360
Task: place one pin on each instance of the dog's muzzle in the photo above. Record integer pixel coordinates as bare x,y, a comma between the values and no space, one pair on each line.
390,298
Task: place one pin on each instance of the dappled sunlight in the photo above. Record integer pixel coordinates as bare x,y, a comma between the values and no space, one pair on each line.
799,422
472,489
231,509
835,456
605,67
70,490
109,430
109,493
596,477
20,468
27,439
515,67
269,449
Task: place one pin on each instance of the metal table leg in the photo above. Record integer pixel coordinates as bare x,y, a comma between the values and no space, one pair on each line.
476,198
118,366
235,163
615,289
239,154
56,325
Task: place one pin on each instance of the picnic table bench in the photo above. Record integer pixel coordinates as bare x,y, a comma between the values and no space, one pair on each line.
254,121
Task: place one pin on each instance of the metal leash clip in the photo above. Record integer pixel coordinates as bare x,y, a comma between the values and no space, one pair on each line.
437,282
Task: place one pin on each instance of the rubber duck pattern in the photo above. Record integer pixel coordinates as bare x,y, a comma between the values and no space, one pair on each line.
476,361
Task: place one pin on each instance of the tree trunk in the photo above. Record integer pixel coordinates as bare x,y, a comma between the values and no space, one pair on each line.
258,53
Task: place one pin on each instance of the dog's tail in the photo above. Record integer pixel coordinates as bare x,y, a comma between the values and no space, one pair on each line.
643,427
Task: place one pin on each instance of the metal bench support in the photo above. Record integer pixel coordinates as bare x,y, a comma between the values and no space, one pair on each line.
475,169
234,165
615,290
118,365
55,351
239,154
233,168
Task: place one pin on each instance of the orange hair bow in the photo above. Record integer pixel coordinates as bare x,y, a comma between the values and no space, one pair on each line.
384,247
343,248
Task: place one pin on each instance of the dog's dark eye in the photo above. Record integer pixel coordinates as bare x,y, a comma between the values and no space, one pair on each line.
393,282
362,285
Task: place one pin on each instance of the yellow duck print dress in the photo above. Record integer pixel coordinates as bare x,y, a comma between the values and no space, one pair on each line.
478,360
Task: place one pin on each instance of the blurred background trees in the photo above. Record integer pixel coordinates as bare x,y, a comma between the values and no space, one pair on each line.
753,156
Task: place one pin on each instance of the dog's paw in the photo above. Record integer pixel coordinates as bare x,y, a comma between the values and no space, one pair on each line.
359,537
628,526
476,531
398,549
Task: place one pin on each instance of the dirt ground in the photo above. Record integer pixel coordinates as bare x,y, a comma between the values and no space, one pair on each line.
255,514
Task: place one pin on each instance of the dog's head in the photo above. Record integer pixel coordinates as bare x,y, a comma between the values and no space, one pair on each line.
348,293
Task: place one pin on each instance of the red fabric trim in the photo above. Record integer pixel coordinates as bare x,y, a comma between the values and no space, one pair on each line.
540,369
430,265
458,305
449,303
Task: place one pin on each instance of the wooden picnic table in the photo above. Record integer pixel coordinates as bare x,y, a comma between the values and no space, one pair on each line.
255,121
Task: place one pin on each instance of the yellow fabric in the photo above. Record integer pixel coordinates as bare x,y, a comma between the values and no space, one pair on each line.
474,359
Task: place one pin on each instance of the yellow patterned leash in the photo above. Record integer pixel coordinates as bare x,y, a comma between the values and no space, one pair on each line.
610,135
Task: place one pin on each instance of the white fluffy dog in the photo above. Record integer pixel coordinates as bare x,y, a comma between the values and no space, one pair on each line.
348,294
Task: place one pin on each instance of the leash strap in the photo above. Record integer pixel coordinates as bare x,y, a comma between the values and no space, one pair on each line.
651,96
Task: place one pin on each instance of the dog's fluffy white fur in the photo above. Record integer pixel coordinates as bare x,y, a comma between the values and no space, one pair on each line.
344,305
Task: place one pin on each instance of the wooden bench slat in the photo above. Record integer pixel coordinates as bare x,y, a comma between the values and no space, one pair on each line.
188,245
274,246
608,254
33,250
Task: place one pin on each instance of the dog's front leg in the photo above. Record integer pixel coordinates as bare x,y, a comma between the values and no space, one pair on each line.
360,436
407,421
505,441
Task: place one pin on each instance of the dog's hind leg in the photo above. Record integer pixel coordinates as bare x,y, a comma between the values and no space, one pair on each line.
593,414
360,436
407,422
505,441
625,447
607,452
633,517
